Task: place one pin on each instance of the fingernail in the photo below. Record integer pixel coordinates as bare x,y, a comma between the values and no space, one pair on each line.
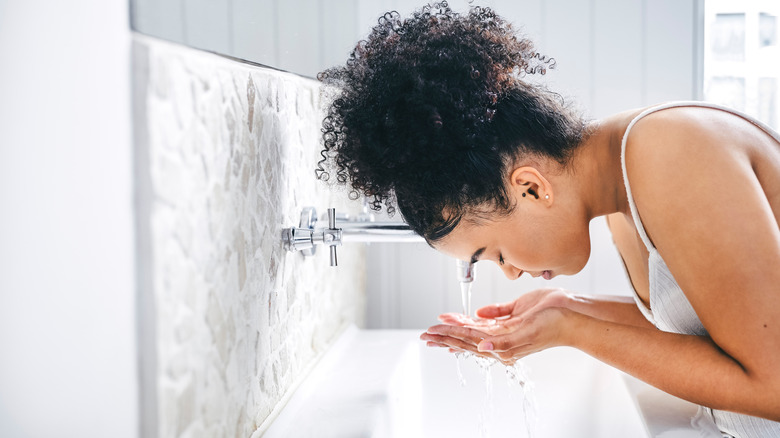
485,346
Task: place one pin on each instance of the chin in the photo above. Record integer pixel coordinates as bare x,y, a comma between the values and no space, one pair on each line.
574,268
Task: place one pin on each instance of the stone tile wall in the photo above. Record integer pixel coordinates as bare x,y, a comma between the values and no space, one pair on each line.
229,321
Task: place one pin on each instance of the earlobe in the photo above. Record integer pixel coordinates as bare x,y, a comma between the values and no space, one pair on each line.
528,181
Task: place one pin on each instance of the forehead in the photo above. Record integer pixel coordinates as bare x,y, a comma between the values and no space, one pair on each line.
468,240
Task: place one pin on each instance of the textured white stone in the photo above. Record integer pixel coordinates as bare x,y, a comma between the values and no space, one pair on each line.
231,155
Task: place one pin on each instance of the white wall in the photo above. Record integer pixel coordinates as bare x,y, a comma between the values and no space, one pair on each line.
232,321
67,341
611,56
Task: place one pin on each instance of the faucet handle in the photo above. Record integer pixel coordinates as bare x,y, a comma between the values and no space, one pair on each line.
332,218
332,227
333,259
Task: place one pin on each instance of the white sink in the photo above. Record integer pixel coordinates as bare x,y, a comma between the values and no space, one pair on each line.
387,383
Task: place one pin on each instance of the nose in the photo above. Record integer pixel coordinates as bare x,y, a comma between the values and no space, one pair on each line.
510,271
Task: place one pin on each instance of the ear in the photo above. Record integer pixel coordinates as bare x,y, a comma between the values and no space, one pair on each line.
528,183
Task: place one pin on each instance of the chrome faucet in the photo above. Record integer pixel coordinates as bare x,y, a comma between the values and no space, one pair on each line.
345,229
465,270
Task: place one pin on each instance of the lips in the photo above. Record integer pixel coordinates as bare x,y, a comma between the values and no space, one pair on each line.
547,275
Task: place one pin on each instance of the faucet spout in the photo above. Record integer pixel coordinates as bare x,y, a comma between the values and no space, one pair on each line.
465,271
363,229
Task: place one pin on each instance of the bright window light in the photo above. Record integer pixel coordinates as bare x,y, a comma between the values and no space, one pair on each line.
742,56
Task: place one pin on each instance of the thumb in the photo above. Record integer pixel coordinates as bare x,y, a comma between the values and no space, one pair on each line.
454,319
486,345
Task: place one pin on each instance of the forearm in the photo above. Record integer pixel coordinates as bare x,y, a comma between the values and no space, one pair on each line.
690,367
619,309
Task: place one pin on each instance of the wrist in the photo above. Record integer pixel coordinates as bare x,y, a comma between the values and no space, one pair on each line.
571,301
573,326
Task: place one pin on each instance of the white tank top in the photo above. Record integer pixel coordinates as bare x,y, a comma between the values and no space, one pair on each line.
670,310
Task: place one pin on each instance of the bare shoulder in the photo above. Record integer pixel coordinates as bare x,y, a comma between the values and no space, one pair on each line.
698,154
673,142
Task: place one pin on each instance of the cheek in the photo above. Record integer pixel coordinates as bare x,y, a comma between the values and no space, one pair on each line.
555,243
535,251
564,244
576,250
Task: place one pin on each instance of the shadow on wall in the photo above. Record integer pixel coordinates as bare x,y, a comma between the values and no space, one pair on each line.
229,322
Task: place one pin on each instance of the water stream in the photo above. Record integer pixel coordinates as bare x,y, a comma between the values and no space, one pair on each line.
517,375
465,295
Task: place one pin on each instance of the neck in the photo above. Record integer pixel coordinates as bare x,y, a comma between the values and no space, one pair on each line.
598,173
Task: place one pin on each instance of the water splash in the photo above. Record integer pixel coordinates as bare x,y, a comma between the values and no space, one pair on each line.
486,415
461,356
517,375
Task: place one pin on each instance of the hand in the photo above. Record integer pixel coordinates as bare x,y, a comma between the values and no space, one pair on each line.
508,331
529,302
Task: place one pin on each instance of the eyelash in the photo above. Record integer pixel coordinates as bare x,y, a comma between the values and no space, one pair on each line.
500,259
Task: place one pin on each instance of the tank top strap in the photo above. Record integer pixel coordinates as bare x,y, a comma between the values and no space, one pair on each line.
634,212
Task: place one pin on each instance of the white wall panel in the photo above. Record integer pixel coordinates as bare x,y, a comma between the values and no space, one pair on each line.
338,31
299,44
162,18
567,35
382,300
617,56
525,16
254,30
207,25
68,363
670,56
421,290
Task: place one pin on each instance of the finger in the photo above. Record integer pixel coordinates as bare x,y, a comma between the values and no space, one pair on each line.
501,343
465,320
470,335
511,356
496,310
483,325
455,319
436,344
452,342
447,341
520,352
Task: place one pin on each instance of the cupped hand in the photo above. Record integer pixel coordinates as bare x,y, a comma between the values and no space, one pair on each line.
509,331
529,302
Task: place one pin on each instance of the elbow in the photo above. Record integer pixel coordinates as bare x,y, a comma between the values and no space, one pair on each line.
765,399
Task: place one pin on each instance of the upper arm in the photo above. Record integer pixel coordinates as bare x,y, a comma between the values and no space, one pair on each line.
705,211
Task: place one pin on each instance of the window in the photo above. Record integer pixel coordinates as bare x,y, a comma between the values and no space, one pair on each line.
742,57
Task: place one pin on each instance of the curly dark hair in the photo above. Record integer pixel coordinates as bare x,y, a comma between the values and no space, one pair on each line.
431,110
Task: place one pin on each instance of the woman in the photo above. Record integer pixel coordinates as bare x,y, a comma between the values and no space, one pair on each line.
435,115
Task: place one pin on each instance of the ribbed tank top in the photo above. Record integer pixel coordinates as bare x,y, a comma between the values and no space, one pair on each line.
670,310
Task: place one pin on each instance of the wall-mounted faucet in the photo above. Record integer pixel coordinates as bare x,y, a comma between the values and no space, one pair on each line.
343,229
363,228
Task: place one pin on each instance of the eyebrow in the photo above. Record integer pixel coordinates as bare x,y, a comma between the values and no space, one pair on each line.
477,253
